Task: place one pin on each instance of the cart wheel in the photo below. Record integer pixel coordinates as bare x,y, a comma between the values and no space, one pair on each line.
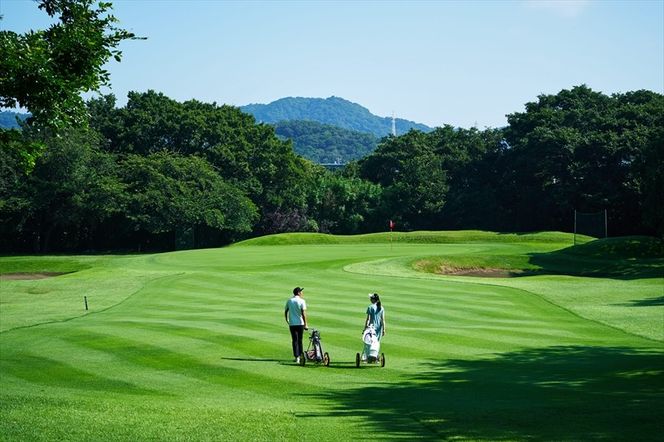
357,360
303,360
326,359
382,359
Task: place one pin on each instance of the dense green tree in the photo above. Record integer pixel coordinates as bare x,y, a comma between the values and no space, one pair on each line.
649,177
412,174
46,71
474,161
247,155
79,196
342,204
166,191
15,205
576,150
73,189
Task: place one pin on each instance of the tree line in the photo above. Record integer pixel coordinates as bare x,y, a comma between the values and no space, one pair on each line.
157,174
576,150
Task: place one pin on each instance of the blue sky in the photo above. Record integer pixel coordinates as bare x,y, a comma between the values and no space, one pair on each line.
435,62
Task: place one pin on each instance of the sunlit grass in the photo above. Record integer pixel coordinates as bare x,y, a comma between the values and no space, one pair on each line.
192,345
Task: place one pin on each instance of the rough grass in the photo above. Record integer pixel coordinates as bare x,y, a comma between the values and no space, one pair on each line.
193,346
630,257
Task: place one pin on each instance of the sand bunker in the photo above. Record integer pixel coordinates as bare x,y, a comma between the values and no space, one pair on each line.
481,272
29,275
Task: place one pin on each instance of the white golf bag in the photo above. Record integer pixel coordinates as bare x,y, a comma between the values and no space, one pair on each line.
371,343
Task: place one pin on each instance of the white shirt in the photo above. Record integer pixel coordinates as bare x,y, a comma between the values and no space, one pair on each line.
295,306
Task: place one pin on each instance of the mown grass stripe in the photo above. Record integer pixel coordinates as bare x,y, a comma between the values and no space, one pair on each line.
205,354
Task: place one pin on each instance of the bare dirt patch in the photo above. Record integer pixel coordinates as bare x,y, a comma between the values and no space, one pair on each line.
29,275
481,272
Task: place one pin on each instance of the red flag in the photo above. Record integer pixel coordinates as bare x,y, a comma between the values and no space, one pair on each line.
391,225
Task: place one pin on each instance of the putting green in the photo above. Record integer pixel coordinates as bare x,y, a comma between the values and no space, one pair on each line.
192,345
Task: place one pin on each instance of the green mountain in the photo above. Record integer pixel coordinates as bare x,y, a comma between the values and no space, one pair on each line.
334,111
324,143
8,119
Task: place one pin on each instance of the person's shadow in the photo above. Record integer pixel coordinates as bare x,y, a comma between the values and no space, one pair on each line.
257,360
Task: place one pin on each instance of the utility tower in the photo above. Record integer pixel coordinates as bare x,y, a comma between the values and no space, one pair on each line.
394,126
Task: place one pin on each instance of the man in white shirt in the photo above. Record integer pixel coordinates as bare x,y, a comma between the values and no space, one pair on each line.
296,318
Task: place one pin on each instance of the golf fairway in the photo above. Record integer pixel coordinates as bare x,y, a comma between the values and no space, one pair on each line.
193,345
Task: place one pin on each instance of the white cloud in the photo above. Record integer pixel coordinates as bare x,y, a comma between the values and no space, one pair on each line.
564,8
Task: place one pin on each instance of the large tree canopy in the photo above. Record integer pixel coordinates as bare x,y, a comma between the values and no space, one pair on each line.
166,191
74,187
581,149
576,150
245,154
45,71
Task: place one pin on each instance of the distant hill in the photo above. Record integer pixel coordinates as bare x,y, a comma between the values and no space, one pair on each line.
8,119
334,111
324,143
331,130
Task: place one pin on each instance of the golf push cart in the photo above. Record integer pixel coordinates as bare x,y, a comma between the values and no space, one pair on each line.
314,351
371,351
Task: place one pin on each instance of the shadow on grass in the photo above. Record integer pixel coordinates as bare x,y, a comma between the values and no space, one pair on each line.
562,262
254,359
277,361
650,302
615,258
558,393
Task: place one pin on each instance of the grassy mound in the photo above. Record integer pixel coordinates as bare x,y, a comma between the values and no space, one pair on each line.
418,237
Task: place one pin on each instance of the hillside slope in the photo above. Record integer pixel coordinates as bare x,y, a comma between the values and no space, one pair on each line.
333,110
324,143
8,119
